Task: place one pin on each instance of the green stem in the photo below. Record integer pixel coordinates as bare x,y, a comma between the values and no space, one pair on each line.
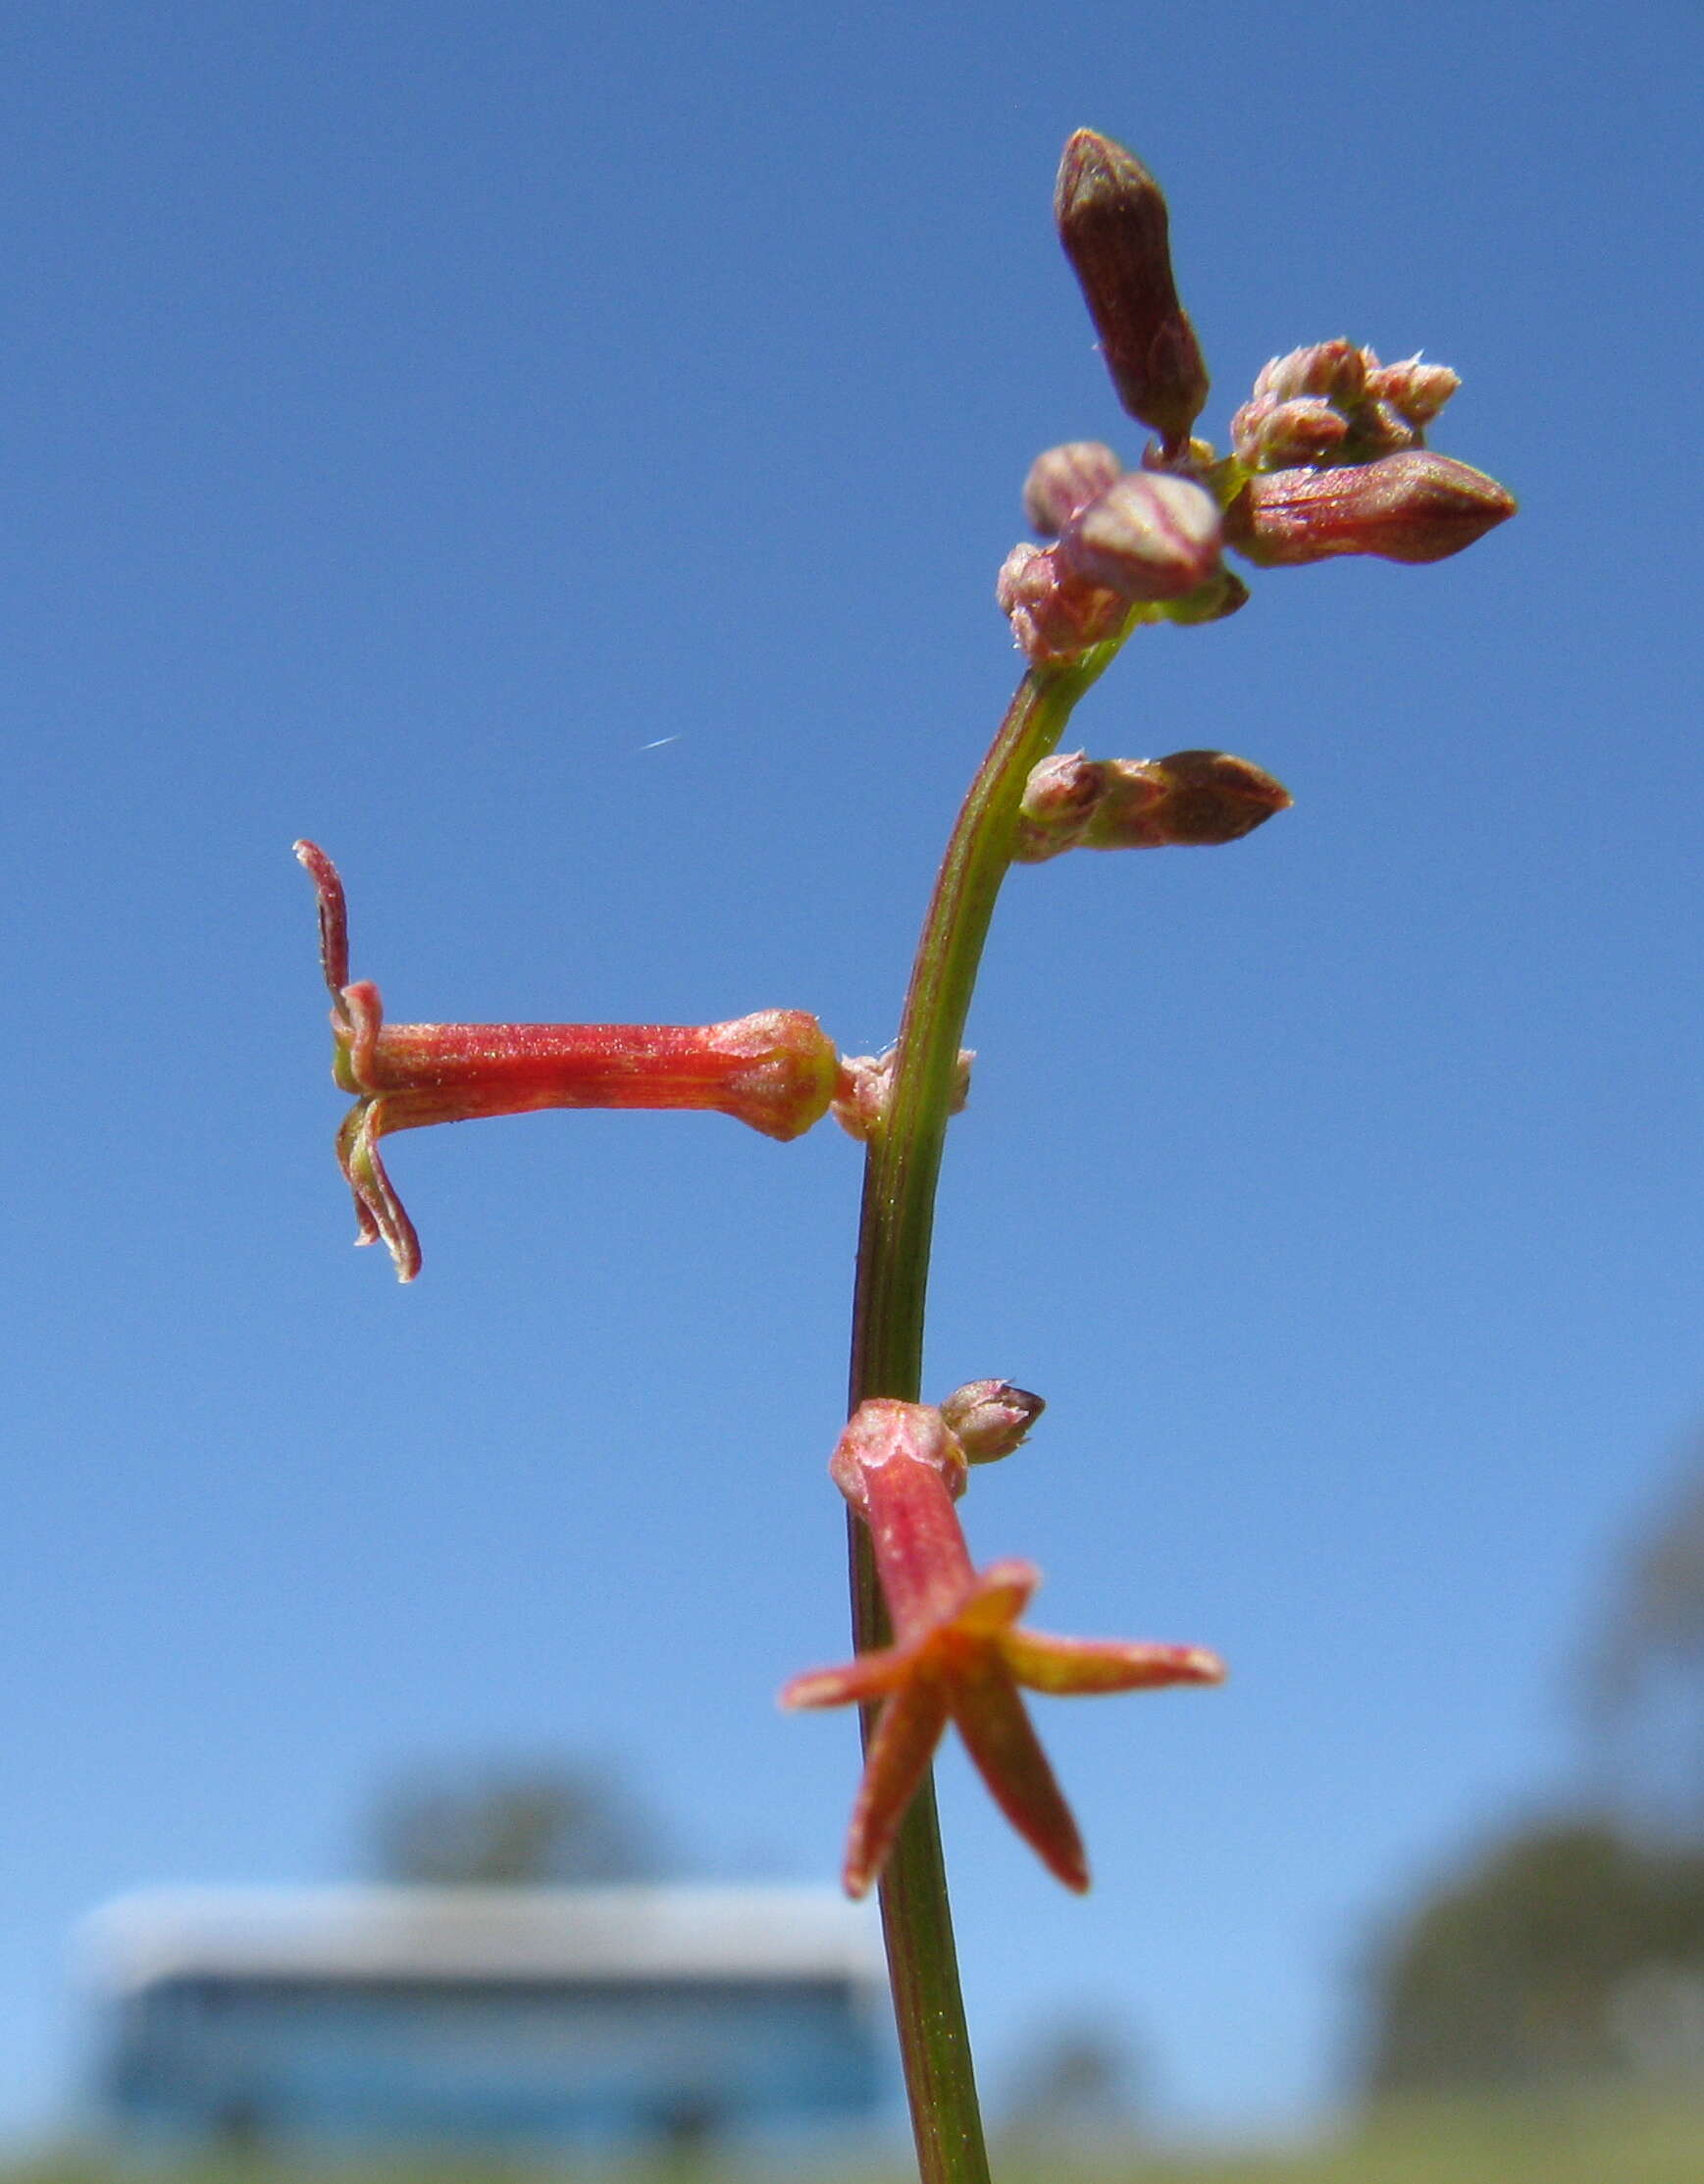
900,1173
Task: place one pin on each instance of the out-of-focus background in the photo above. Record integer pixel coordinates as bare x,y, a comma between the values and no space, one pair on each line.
558,458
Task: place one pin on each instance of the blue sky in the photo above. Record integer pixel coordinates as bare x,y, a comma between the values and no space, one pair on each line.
419,413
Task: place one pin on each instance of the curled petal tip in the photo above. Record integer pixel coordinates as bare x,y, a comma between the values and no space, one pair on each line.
334,917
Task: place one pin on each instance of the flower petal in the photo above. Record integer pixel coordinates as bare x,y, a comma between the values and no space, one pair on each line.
997,1730
334,917
377,1209
910,1726
1002,1593
871,1676
1089,1665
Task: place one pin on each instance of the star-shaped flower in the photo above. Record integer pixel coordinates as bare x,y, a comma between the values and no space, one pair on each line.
961,1653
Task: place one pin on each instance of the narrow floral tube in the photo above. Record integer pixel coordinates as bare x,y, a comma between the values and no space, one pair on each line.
775,1070
959,1654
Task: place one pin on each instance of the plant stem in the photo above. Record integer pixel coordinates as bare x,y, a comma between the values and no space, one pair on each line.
900,1173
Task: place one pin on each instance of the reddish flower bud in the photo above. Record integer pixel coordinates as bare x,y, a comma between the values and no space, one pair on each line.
1059,799
1147,537
1062,479
1191,800
775,1070
1305,429
990,1417
1415,391
1335,369
1054,614
1412,506
1116,229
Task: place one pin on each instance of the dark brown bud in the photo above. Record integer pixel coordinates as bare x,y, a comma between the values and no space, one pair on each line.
990,1417
1116,230
1412,506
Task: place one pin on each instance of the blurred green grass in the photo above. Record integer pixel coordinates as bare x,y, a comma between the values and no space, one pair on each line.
1570,2139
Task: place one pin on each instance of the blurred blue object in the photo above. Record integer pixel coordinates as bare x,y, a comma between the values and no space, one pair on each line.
381,2018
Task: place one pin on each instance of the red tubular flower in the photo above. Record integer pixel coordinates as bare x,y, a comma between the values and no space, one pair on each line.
959,1654
776,1071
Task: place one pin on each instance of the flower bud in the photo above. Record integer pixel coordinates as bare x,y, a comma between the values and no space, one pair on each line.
1411,506
1113,224
1059,799
1055,615
1061,479
1192,800
1147,537
1415,391
1335,369
990,1417
866,1090
1304,428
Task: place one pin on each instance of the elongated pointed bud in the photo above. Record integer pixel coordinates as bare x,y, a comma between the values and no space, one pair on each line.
1191,800
1412,506
1116,230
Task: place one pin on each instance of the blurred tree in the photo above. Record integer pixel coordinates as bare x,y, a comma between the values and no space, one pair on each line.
1643,1672
1567,1950
514,1826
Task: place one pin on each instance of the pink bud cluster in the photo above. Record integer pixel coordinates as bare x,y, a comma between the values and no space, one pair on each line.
1334,403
